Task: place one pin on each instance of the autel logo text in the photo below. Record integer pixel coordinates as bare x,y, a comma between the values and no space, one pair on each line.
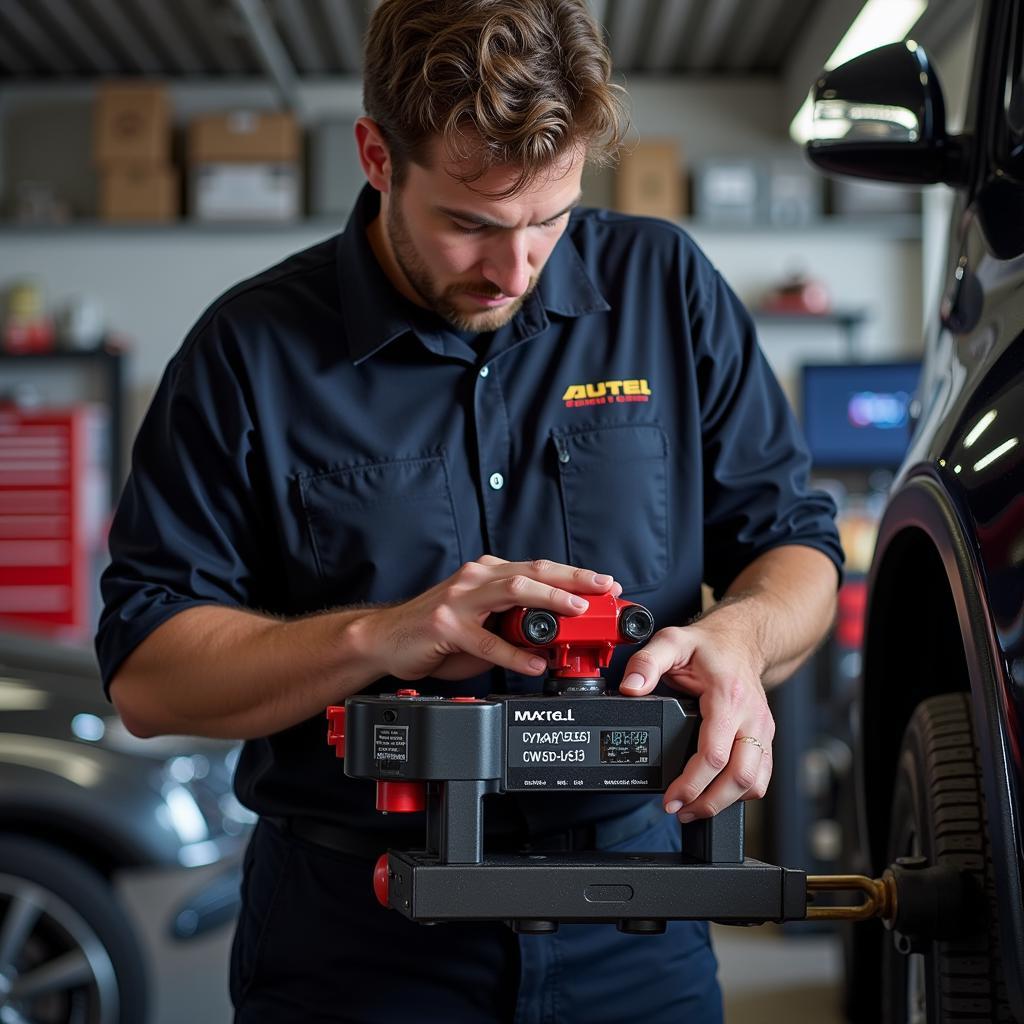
544,716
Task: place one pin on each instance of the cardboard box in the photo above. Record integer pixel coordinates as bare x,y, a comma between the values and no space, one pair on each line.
233,191
650,180
729,191
131,124
139,193
244,137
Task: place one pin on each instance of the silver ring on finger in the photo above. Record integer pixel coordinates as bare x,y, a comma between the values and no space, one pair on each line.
751,739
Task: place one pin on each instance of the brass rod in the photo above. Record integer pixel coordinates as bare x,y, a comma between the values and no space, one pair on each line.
879,897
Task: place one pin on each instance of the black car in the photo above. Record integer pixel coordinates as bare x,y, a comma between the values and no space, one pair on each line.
941,765
119,857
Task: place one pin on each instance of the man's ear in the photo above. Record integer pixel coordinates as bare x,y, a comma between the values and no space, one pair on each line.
374,154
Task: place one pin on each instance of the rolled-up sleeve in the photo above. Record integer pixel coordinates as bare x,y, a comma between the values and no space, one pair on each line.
756,490
186,527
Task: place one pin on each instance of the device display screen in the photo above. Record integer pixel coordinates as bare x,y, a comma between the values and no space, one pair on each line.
858,415
625,746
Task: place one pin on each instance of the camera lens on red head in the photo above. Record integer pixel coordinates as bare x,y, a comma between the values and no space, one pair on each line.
539,627
636,623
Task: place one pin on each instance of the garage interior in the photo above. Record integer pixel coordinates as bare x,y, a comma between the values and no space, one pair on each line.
244,111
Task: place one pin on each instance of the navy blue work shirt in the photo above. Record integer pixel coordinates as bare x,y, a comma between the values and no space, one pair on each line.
319,441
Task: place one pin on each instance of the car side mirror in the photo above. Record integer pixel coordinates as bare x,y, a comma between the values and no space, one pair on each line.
882,116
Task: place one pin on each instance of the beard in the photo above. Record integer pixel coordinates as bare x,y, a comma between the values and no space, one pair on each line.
442,300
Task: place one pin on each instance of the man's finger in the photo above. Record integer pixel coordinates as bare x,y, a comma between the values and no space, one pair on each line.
491,560
733,783
764,777
665,651
568,577
481,643
714,750
520,590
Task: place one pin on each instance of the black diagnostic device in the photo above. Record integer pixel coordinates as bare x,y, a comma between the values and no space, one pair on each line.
445,754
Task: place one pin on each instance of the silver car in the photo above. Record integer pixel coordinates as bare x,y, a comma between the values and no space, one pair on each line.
119,857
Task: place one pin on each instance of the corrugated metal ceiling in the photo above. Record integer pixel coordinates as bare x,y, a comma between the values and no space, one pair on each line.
53,39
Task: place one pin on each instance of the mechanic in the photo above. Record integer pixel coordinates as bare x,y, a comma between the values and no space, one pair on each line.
478,396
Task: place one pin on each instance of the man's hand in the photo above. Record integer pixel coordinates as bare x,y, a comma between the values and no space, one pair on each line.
713,660
441,633
778,609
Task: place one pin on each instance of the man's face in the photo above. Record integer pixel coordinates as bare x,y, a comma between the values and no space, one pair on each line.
471,259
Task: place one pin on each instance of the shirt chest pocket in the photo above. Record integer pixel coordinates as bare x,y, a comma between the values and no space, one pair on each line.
384,531
615,499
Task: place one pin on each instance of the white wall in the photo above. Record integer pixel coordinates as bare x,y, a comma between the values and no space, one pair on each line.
154,283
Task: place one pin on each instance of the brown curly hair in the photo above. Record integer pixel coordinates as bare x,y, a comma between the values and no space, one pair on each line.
517,83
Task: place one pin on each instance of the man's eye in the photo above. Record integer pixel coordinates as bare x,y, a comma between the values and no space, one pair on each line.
467,229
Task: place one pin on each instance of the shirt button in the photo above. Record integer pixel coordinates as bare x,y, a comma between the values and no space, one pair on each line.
484,370
497,481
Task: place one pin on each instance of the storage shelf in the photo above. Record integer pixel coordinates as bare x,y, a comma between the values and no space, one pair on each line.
847,320
903,227
898,227
838,317
59,355
175,228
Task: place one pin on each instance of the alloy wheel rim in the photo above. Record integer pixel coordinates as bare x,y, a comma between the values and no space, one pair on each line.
53,966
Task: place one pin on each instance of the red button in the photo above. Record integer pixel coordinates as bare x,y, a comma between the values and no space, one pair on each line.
336,728
464,700
380,880
401,797
407,693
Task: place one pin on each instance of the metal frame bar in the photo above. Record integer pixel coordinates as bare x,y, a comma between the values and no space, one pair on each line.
667,38
216,37
178,47
81,37
271,51
310,57
761,14
135,49
627,19
12,59
345,30
712,35
37,38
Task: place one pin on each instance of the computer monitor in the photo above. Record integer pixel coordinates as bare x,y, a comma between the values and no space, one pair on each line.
857,415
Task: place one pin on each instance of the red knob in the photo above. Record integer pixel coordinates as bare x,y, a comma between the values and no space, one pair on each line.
407,693
336,728
380,880
401,797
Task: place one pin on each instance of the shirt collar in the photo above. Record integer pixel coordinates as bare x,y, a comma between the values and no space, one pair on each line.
375,314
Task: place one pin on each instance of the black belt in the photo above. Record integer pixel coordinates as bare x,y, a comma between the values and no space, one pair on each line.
368,845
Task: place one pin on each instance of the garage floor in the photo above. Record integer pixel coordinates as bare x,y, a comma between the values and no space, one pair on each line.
772,977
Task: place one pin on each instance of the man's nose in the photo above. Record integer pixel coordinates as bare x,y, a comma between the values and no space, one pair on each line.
507,265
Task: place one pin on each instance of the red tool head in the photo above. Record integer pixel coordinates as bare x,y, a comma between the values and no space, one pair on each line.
578,646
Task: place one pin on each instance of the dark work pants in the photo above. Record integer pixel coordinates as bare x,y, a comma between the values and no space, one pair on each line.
314,946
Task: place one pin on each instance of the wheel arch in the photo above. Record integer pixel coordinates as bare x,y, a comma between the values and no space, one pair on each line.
928,631
108,825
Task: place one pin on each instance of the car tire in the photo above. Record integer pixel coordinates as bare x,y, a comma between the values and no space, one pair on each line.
938,812
68,953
